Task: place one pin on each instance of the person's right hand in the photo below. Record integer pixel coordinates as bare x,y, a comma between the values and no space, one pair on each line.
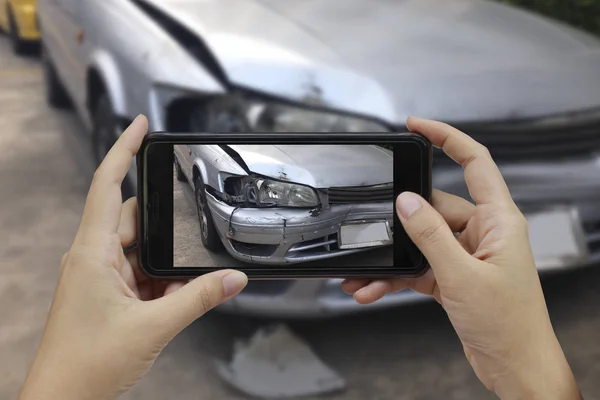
485,277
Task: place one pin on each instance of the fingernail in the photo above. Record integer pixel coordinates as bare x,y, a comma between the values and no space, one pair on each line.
408,203
137,119
233,283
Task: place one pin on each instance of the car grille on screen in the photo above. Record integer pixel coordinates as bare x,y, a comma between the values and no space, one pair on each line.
358,195
313,247
569,137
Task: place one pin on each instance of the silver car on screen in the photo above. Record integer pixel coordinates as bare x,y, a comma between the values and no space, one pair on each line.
283,204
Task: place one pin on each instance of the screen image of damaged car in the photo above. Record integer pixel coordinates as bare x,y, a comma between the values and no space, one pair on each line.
525,86
278,204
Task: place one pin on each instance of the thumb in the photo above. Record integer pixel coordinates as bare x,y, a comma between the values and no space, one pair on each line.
432,235
175,311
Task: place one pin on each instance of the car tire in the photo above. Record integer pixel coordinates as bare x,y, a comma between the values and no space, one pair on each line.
56,95
104,136
19,45
208,232
179,172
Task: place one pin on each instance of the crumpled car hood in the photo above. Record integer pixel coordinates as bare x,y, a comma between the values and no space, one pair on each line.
454,60
320,166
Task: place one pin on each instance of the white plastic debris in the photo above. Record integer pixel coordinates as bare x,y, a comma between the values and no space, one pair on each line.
275,364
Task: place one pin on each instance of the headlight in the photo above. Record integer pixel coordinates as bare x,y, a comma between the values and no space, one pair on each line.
286,194
262,192
273,117
239,113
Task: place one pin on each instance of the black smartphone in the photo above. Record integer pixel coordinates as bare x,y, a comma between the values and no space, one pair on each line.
278,206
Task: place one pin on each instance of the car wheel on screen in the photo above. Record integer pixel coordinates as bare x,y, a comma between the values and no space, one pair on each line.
56,95
19,46
105,133
208,231
180,175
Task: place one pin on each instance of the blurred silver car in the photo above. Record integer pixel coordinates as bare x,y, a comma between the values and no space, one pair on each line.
525,86
286,204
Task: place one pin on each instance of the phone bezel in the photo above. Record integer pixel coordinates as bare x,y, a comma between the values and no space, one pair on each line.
291,271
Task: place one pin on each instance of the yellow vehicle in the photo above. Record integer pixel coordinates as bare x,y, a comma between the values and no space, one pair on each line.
18,19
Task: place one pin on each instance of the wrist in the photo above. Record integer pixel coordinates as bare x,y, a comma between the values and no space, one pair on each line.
543,374
56,377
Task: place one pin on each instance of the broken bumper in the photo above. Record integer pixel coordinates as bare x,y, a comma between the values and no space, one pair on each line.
285,236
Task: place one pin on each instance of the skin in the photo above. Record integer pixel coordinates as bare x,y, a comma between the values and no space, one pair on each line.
108,321
485,278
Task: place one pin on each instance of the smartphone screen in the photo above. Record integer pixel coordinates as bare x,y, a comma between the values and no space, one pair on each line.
278,209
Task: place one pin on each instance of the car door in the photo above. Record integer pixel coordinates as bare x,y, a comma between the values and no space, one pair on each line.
63,37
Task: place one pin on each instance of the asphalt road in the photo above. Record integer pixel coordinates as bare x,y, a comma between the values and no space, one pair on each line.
409,353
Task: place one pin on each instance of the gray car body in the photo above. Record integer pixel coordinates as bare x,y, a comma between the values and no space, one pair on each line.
461,61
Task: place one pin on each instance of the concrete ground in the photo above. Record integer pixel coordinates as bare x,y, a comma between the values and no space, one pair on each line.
408,353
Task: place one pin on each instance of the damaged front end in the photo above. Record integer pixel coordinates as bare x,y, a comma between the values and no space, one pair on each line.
254,213
264,219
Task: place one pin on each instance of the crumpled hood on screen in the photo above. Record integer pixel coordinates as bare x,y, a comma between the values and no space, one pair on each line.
320,166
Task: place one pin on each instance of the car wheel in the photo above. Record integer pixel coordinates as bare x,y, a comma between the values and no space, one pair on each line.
180,175
208,232
56,95
104,135
19,46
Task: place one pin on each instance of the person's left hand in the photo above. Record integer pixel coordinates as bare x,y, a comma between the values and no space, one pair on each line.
108,321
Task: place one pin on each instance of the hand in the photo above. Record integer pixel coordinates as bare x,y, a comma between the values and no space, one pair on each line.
485,278
108,321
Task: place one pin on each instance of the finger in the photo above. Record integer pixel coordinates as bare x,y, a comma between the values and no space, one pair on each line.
103,206
129,279
138,274
173,287
127,273
484,180
188,303
455,210
426,284
146,290
432,235
373,291
128,223
350,286
376,290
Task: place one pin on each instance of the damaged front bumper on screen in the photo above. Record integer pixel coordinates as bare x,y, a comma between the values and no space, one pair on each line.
287,235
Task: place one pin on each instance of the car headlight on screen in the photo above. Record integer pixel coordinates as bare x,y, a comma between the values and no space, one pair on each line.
246,113
283,194
255,191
